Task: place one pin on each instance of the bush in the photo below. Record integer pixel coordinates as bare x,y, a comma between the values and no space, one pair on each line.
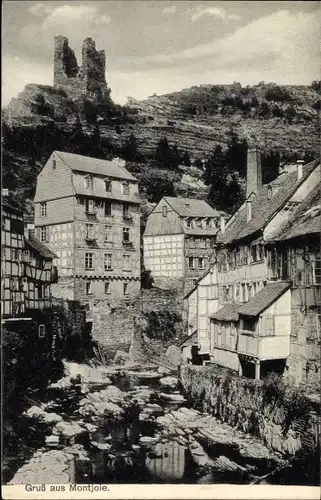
161,325
278,94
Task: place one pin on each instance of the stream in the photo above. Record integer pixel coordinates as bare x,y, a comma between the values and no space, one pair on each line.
129,425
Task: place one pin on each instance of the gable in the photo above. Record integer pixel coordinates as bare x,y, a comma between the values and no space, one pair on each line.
54,181
163,220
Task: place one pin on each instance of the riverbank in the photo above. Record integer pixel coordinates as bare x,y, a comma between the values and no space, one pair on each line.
129,424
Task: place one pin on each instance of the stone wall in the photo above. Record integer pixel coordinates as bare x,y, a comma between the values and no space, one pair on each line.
271,409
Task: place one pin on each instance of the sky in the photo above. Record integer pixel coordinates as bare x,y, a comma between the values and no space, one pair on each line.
163,46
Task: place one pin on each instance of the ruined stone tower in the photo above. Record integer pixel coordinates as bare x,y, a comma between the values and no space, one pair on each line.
88,79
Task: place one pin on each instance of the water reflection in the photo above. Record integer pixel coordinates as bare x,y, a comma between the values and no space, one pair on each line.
170,462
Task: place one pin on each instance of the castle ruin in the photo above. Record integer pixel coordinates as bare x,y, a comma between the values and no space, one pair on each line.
87,80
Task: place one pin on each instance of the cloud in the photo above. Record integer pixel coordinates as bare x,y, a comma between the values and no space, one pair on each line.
214,12
102,20
40,9
171,9
280,47
67,14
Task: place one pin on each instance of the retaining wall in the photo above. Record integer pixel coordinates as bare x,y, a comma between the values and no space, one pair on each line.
271,409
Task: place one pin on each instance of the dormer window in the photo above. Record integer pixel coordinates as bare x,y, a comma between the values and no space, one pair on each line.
198,223
208,223
125,188
88,182
188,223
107,185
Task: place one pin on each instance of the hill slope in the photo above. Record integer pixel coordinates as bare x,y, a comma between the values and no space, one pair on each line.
42,118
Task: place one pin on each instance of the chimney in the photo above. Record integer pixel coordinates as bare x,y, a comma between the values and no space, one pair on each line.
254,171
222,223
248,210
299,167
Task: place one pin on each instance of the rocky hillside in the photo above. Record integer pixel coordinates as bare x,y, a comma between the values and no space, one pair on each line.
283,119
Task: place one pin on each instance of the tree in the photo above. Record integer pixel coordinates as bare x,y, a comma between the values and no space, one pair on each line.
130,149
316,85
214,165
278,94
290,113
186,159
236,153
159,187
90,111
270,166
146,278
165,156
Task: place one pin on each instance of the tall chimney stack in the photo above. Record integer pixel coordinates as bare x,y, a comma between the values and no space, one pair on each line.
254,171
299,167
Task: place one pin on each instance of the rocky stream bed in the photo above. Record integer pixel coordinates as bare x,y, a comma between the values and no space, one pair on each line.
131,424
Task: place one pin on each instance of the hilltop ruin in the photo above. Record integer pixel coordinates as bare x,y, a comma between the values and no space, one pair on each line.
77,81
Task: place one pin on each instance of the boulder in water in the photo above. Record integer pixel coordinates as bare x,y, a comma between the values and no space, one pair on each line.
52,440
121,358
169,382
42,416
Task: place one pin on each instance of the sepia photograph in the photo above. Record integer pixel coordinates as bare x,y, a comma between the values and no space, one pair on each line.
160,249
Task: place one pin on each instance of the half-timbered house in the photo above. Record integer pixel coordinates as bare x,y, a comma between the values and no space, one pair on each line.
12,244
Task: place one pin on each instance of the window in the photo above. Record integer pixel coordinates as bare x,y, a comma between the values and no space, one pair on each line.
89,231
125,188
14,254
108,262
198,223
43,209
88,182
269,193
40,292
107,208
108,234
126,234
41,331
89,261
26,255
188,223
249,324
164,211
89,204
125,288
201,263
191,263
316,272
88,288
44,233
290,206
108,185
209,223
126,210
107,287
127,262
192,242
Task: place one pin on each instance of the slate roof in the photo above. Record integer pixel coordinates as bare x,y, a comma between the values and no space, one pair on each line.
307,218
95,166
262,207
191,207
37,245
263,299
227,313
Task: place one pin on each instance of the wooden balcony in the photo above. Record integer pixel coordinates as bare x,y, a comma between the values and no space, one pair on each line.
263,348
